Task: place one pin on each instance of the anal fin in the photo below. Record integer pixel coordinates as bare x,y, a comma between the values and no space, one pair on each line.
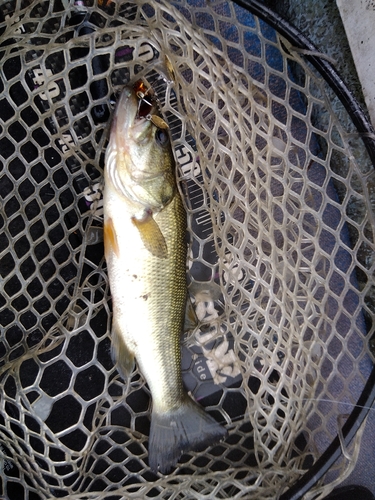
121,354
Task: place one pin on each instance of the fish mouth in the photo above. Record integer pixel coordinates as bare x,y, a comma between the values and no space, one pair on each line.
146,103
134,110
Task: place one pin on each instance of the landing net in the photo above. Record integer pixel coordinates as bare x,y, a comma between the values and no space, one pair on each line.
279,192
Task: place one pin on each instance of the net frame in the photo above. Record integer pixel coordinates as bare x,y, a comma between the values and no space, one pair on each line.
56,344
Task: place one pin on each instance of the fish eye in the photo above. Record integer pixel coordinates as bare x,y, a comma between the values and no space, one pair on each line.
161,137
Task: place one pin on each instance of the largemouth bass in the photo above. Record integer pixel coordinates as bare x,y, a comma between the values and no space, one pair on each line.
145,249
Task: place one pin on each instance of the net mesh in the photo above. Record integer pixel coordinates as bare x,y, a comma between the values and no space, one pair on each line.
279,194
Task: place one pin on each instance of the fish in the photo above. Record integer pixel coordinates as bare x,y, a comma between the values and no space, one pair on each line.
145,250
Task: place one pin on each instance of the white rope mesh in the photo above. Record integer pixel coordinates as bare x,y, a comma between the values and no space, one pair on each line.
279,193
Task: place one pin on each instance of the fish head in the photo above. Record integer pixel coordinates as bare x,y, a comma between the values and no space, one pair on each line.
139,157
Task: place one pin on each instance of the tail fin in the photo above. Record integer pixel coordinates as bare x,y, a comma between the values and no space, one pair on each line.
189,428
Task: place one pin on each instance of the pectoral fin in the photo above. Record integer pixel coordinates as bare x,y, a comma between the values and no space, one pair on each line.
121,355
110,238
151,236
